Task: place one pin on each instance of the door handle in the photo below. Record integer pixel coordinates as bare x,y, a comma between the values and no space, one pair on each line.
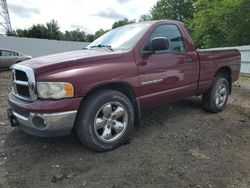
187,60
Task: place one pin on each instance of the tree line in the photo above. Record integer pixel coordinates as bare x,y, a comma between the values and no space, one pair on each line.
51,30
213,23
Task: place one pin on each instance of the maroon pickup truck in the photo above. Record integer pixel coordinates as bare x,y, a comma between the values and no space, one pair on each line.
100,91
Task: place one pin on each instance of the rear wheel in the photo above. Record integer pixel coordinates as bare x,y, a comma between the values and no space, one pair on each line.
105,120
216,98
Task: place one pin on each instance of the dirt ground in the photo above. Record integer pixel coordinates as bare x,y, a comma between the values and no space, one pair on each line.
177,145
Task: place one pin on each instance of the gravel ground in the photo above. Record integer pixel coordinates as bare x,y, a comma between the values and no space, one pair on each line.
177,145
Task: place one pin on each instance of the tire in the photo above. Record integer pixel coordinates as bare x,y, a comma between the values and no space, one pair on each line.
105,120
215,99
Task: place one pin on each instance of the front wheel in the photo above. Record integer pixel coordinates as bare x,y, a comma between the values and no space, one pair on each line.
216,98
105,120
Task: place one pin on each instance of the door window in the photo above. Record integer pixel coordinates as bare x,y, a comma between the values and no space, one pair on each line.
173,34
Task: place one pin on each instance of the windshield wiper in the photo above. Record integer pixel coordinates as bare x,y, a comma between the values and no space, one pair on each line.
103,46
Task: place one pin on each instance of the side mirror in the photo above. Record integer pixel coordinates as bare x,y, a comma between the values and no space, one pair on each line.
156,44
159,43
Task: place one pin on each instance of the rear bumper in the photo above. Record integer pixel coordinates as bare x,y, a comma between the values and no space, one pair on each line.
44,124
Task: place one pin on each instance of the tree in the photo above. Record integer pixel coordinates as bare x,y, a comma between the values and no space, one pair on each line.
173,9
76,35
99,33
90,38
11,33
221,23
119,23
53,30
49,31
37,31
145,17
22,33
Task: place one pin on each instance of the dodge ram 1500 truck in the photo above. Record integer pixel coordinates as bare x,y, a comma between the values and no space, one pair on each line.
100,91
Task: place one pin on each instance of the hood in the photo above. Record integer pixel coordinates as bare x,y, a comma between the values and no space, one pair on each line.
69,59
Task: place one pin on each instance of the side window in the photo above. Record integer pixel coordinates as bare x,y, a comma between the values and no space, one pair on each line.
173,34
4,53
7,53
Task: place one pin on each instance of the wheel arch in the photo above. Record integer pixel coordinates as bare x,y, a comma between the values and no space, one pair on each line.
226,72
122,87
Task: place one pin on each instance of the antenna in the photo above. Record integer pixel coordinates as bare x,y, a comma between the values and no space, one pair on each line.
5,24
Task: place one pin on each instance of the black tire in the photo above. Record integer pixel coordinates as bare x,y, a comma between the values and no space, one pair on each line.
88,114
209,98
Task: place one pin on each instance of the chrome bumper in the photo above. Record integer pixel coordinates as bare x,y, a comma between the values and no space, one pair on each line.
44,125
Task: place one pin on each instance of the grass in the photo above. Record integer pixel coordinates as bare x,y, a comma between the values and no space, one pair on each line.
244,79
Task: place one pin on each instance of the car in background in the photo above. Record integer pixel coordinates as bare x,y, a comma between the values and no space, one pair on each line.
10,57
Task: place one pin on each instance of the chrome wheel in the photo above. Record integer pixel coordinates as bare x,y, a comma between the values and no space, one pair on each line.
221,95
110,122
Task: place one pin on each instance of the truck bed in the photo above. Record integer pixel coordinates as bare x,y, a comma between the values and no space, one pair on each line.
212,60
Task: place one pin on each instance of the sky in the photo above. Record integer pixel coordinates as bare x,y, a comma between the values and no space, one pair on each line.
87,15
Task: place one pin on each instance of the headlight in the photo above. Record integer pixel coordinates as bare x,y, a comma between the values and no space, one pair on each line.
54,90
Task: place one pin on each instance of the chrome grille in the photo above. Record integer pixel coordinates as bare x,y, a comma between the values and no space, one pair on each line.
23,82
20,75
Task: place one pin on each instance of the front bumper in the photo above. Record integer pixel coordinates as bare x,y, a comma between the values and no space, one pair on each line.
43,124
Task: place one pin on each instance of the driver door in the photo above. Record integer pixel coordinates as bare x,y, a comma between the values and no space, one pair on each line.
167,75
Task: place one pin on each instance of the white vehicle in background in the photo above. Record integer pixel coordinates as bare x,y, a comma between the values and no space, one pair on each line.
10,57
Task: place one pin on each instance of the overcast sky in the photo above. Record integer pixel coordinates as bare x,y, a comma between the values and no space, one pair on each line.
88,15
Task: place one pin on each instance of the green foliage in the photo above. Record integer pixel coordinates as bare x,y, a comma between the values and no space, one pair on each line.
119,23
52,30
99,33
90,38
22,33
173,9
37,31
11,33
75,35
221,23
49,31
214,23
145,17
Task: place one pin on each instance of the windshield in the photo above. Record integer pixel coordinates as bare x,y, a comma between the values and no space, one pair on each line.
121,38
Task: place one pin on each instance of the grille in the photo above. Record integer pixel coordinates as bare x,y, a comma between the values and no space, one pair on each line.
20,75
23,83
23,90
